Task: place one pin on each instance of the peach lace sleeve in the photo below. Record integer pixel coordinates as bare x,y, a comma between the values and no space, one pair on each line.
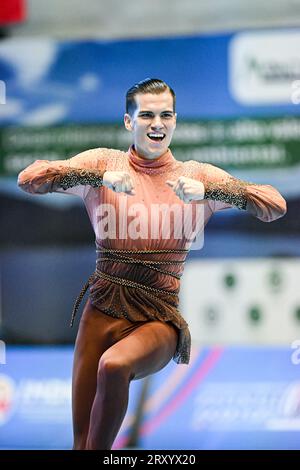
224,191
66,176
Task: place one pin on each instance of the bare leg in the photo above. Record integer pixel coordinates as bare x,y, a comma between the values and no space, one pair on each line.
144,351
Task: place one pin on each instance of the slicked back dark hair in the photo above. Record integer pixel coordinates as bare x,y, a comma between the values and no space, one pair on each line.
149,85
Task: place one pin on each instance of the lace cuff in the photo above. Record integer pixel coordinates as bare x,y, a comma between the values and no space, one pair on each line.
75,176
233,191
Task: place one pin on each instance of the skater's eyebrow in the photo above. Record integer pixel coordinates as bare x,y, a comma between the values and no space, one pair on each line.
152,113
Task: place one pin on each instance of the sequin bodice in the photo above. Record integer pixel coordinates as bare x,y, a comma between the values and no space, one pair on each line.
144,283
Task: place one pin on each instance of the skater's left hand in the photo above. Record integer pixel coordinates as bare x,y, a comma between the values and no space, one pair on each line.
187,189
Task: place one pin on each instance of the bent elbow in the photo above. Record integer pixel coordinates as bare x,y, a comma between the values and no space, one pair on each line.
283,208
275,213
23,182
35,179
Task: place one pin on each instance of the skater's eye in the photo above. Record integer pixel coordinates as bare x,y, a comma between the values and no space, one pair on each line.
146,115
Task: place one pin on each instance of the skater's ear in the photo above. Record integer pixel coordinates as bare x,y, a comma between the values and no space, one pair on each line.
128,122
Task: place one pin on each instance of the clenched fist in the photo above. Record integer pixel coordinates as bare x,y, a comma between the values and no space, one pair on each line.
187,189
119,182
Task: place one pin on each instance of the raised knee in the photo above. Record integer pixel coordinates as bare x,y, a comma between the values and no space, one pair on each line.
114,368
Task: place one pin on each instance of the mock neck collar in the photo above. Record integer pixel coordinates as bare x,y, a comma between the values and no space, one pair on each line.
151,166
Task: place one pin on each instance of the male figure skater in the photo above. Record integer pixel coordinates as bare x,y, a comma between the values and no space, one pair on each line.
131,326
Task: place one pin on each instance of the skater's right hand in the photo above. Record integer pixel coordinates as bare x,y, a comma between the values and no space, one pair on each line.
119,182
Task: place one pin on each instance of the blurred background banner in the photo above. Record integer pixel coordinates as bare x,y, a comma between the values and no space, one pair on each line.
237,97
235,68
223,400
237,104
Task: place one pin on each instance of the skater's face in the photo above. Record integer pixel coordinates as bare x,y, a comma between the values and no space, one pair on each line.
152,124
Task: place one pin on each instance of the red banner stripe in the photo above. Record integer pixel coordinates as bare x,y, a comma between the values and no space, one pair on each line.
12,11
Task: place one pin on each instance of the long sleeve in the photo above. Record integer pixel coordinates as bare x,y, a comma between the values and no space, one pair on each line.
43,176
262,201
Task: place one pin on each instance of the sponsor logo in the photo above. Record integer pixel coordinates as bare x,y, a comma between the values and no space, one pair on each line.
263,66
7,397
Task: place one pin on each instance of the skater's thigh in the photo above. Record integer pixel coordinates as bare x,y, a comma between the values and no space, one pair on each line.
146,350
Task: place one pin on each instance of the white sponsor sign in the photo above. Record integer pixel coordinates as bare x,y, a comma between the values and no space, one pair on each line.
264,67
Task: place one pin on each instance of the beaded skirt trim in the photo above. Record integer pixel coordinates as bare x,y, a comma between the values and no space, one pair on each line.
159,299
